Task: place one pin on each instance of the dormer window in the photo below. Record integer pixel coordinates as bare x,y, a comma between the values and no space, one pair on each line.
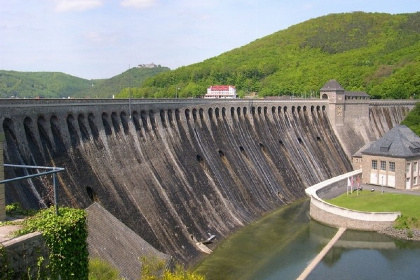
415,147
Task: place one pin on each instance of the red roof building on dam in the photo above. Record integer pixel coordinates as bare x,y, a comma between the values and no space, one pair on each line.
223,91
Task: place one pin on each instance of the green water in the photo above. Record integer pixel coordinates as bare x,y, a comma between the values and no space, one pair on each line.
279,245
282,244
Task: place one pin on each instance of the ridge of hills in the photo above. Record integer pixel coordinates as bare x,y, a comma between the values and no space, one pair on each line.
377,53
61,85
373,52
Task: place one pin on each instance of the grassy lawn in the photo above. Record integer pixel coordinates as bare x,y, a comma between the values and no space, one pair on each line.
408,205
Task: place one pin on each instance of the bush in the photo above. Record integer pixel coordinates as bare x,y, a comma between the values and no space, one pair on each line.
65,236
401,222
153,269
100,269
15,209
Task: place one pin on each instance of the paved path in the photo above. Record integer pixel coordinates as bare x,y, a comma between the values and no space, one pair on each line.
367,189
321,255
6,231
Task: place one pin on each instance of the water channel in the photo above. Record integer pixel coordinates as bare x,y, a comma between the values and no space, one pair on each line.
281,244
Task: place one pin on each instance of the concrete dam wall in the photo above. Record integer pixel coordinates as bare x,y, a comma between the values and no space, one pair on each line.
172,171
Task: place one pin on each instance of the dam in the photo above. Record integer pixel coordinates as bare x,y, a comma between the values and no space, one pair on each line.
175,170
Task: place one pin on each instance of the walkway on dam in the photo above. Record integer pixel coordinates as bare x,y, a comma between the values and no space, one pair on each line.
321,255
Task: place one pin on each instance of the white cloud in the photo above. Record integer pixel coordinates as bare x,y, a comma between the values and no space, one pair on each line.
141,4
76,5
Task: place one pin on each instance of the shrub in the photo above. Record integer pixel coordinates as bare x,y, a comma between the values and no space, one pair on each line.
154,269
409,233
100,269
65,236
401,222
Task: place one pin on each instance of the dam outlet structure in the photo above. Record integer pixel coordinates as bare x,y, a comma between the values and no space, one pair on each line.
174,170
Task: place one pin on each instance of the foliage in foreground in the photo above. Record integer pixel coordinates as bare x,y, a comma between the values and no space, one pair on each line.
15,209
152,269
66,238
100,269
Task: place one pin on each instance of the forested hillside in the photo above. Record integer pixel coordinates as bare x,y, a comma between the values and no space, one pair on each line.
40,84
412,120
60,85
133,77
373,52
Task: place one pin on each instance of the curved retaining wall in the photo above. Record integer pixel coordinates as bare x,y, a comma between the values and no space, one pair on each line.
335,216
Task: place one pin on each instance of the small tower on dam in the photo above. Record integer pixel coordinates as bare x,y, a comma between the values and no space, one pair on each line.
344,105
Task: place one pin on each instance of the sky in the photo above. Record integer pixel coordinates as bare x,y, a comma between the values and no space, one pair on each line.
95,39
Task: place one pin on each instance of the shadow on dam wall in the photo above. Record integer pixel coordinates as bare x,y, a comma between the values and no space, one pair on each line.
175,174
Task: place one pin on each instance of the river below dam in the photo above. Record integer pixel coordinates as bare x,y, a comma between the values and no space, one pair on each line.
281,245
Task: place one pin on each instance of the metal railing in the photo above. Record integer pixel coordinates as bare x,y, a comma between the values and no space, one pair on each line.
50,170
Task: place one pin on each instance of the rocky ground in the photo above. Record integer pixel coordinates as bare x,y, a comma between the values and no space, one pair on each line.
406,234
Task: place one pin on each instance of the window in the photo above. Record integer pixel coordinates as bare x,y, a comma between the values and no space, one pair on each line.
415,181
383,165
415,166
392,166
374,164
407,168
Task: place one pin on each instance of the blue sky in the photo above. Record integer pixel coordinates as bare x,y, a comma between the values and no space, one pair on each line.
102,38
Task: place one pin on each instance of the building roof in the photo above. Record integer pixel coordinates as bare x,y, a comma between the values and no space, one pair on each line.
400,141
332,85
356,93
359,152
221,87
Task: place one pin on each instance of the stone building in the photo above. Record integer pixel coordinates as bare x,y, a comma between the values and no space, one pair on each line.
393,160
344,105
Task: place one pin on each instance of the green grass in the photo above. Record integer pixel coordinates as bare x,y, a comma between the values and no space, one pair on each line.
408,205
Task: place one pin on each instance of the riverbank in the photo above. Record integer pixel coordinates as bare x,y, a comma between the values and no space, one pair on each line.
404,234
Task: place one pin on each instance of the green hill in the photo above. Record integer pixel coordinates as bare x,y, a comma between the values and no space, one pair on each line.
373,52
412,120
39,84
60,85
131,78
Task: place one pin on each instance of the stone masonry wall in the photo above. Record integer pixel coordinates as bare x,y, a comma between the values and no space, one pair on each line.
24,255
335,216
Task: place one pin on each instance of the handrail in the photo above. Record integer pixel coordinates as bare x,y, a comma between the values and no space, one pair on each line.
51,170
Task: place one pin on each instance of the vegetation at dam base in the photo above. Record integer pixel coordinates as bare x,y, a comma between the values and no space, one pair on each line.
66,238
152,269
